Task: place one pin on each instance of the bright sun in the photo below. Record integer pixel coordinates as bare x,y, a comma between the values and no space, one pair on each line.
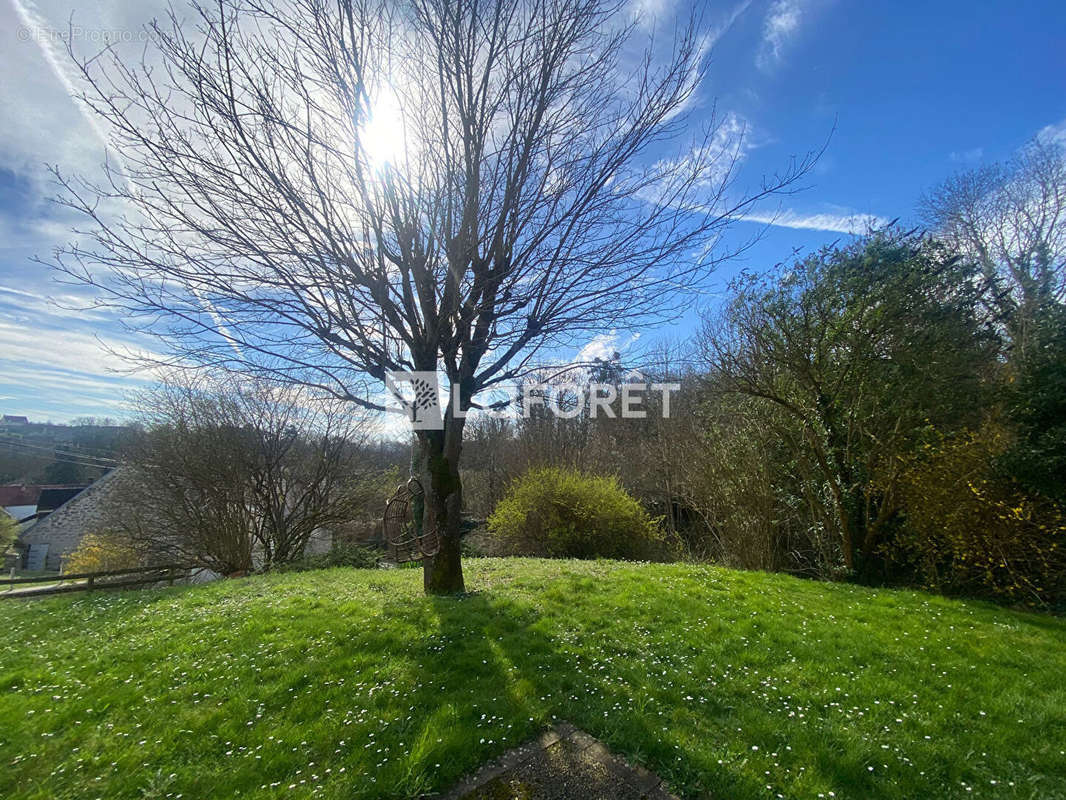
383,133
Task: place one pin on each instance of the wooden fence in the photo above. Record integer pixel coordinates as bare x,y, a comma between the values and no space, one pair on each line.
88,581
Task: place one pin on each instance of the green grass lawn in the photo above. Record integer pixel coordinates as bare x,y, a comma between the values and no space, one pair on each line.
350,683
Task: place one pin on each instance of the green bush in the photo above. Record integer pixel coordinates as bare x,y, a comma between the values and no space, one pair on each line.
342,555
562,513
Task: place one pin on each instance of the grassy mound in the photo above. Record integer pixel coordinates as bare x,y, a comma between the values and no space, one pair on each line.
349,683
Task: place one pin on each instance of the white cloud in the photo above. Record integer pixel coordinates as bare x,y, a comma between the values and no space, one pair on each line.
55,309
854,223
720,30
648,12
49,125
60,374
728,148
971,156
36,29
782,23
1053,133
718,158
52,363
63,348
72,386
603,346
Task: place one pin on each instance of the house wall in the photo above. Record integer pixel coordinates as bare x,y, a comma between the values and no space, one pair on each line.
63,529
93,510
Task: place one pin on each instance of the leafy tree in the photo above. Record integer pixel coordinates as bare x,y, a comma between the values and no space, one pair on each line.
969,530
66,472
1036,405
867,348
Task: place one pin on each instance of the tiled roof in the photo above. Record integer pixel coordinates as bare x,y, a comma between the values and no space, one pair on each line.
23,494
19,495
52,497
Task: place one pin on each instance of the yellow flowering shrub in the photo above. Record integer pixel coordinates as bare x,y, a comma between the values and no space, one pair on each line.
970,531
102,552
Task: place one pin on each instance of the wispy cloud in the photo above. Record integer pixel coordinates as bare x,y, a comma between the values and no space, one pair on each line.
55,309
72,386
57,62
721,29
854,223
1053,133
60,374
65,348
718,158
728,148
781,25
971,156
58,394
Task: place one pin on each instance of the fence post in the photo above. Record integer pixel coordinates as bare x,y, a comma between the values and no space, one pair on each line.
90,584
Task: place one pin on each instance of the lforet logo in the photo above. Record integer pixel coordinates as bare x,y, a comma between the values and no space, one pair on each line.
418,394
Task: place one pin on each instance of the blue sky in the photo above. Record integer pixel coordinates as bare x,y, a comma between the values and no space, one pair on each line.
915,91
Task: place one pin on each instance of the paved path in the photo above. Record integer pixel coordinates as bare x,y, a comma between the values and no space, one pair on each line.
562,764
28,590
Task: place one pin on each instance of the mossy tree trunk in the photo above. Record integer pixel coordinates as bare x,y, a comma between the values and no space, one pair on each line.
438,470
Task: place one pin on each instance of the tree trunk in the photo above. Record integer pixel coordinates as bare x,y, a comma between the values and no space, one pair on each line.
837,483
438,470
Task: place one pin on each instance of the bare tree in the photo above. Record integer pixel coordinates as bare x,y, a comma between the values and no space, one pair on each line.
539,182
1011,219
226,475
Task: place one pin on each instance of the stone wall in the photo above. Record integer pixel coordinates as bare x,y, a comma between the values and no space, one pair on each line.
90,511
95,510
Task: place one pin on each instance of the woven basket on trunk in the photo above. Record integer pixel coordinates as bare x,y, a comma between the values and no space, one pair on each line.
402,537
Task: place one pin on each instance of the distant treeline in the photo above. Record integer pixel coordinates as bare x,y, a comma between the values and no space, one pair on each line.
46,452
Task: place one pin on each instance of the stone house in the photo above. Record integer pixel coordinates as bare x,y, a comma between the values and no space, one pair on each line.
47,542
98,508
28,503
